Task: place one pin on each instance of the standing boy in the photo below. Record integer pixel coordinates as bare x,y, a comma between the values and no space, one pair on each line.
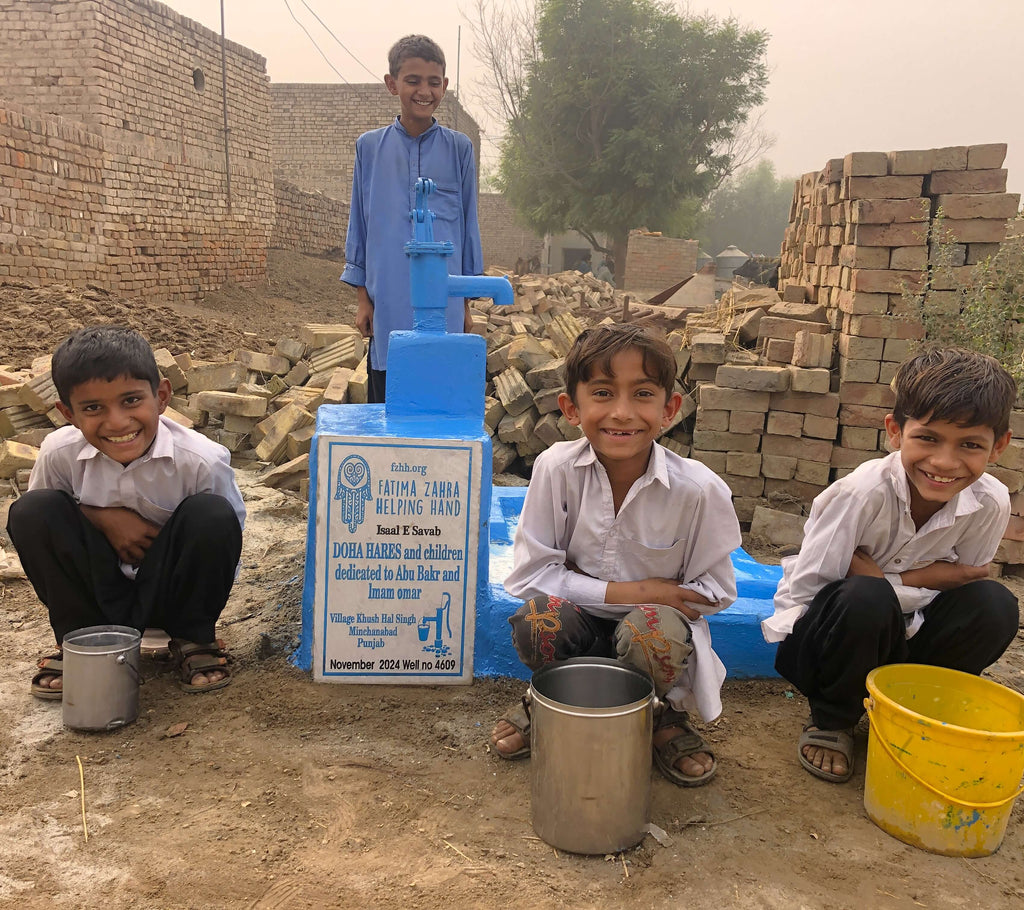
130,519
894,561
623,547
389,161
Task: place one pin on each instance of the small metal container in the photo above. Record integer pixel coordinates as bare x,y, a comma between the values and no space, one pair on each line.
592,722
101,677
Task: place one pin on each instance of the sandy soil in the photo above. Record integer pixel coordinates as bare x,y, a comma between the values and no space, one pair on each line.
279,793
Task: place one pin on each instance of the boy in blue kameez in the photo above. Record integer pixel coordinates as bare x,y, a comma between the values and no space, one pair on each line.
388,163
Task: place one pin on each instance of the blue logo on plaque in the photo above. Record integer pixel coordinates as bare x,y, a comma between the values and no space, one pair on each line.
353,489
440,622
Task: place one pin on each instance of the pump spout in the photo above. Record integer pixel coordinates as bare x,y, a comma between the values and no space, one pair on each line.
498,289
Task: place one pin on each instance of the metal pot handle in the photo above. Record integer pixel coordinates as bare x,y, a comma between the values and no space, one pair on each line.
527,698
123,659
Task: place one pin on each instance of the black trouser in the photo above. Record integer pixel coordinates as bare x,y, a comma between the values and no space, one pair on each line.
378,379
855,625
181,586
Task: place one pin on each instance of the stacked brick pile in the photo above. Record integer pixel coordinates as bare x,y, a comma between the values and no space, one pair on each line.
262,406
861,238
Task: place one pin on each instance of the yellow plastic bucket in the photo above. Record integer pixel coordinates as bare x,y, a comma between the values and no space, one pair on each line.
945,758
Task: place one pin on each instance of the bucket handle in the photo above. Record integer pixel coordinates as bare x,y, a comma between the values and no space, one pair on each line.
123,659
869,704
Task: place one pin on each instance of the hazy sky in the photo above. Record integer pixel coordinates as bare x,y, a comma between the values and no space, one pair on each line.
874,75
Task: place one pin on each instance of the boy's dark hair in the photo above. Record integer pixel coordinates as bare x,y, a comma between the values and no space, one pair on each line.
413,46
594,349
102,352
953,384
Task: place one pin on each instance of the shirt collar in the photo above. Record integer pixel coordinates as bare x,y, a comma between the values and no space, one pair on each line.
963,503
657,469
433,126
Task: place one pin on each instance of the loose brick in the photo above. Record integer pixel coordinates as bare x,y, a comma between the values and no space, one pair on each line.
809,380
779,467
881,187
826,405
744,464
785,423
887,234
859,415
714,420
911,161
745,422
753,378
714,398
888,211
714,441
713,460
820,427
991,180
988,156
808,449
744,486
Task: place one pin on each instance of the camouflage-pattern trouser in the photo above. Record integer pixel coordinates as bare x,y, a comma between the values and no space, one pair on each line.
651,638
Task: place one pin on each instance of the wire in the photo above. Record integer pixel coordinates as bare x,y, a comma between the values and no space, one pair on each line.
317,46
336,38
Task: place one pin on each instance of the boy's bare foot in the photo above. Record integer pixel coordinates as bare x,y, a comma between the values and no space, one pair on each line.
828,760
680,752
506,739
510,737
48,681
694,765
827,754
201,668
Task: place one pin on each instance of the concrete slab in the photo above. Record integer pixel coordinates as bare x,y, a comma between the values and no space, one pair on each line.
736,632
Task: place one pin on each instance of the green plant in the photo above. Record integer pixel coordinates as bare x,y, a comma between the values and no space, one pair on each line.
983,311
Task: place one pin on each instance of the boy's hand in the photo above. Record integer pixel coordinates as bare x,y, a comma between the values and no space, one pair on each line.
862,564
944,576
364,313
665,591
467,319
128,532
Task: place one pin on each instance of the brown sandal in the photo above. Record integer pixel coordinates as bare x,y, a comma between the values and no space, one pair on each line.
516,717
49,667
191,658
684,744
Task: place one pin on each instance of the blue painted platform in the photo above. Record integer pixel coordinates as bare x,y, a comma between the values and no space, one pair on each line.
735,632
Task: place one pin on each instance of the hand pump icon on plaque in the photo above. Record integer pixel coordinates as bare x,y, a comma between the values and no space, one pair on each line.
441,615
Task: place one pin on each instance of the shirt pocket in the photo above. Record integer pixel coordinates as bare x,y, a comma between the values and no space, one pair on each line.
153,512
643,560
445,203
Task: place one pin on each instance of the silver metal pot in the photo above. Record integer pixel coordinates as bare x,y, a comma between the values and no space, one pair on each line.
101,677
592,722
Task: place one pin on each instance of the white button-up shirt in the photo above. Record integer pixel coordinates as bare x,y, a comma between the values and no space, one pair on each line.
676,521
870,509
179,463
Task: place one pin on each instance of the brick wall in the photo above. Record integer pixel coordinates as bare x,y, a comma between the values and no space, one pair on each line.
308,222
654,263
504,239
114,160
314,127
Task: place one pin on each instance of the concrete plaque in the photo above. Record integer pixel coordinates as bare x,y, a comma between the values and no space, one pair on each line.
397,532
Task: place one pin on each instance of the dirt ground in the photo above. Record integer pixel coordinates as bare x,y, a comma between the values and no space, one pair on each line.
280,793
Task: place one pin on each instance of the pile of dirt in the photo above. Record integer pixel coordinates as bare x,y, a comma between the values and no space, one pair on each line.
299,289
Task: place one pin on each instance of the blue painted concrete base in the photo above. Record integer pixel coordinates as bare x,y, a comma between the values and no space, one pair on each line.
735,632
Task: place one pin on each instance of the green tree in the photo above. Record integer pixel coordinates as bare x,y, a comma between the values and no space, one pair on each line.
750,211
617,110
